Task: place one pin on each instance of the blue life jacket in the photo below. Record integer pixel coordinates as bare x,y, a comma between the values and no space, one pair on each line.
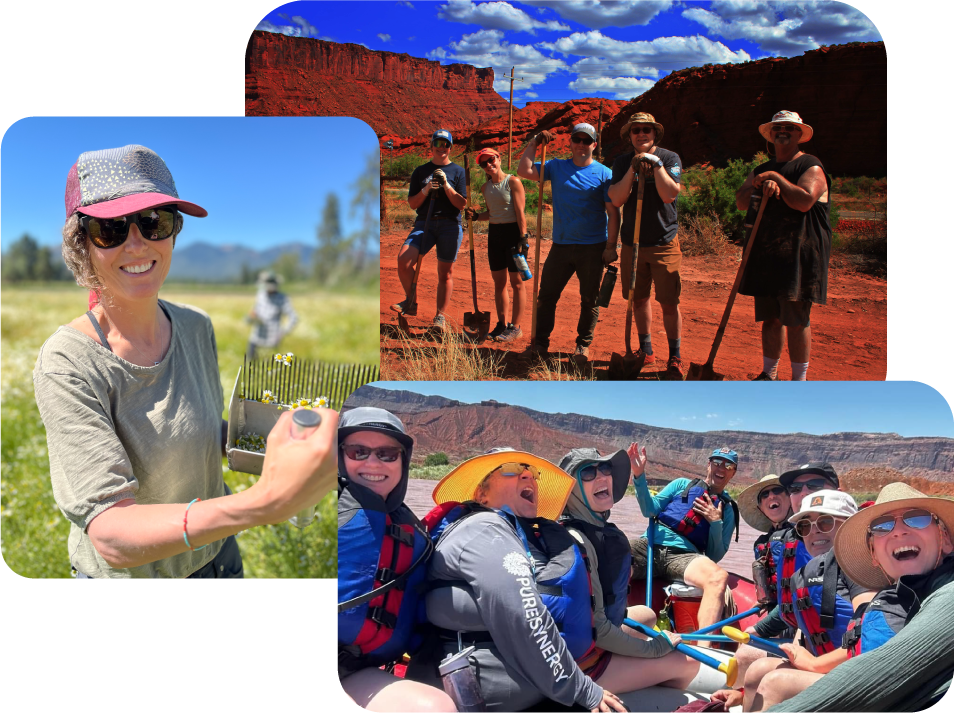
822,614
789,555
614,563
376,548
679,516
559,570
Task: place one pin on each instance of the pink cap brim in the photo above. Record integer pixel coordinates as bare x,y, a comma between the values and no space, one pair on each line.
140,201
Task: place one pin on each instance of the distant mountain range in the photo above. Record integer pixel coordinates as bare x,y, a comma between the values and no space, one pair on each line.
203,262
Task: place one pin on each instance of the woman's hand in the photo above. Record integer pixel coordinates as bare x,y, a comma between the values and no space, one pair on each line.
729,696
637,458
610,702
800,657
673,637
298,472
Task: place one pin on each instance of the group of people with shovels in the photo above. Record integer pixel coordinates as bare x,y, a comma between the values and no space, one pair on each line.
784,264
514,588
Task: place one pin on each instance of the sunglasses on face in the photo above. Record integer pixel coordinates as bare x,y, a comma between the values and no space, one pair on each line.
510,470
727,464
487,161
812,485
589,472
824,524
585,140
385,454
441,144
915,519
775,490
785,127
154,224
642,130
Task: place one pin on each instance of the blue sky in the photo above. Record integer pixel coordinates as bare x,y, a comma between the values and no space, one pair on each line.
567,49
263,180
904,407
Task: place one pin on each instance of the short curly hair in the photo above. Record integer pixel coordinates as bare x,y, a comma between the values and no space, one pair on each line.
76,252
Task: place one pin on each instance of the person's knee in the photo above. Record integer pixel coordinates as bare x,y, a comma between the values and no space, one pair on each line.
717,580
669,310
435,701
640,302
642,614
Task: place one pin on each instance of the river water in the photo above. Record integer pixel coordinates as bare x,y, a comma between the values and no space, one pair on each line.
627,518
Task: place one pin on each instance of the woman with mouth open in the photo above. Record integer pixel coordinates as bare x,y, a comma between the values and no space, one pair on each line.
509,581
131,398
623,660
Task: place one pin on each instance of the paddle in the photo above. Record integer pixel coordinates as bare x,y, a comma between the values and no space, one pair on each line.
536,254
651,541
754,641
730,620
730,668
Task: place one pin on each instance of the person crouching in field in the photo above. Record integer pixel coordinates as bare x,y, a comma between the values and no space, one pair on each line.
131,398
505,198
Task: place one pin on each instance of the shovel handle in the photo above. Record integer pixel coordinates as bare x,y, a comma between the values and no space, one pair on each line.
632,277
735,287
730,668
470,237
536,251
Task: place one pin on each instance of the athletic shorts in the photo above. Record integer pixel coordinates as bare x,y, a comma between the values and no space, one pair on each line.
445,234
668,563
789,313
657,265
502,238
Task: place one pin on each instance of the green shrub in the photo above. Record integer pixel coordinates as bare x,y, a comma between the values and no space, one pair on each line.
710,193
436,459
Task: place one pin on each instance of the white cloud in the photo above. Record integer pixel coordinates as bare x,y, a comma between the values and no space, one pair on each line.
486,48
687,418
384,37
533,95
596,15
782,28
495,16
712,415
405,3
626,88
411,39
300,27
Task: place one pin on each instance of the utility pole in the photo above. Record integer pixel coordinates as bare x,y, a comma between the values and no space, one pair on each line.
510,134
390,146
599,135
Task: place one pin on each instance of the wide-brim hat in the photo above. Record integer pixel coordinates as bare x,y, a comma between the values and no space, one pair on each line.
641,117
748,501
553,488
787,117
116,182
851,541
573,461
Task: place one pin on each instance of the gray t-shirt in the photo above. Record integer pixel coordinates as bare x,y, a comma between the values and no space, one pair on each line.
118,431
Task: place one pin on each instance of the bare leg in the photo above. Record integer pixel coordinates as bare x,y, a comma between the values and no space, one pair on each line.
799,344
445,285
519,297
780,685
702,572
377,690
753,677
643,316
626,673
672,320
501,296
773,337
745,657
406,262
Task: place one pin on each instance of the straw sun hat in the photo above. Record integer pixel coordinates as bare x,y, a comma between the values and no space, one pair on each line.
748,501
553,488
851,541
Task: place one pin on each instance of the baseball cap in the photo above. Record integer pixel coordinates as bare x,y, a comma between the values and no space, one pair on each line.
442,134
726,453
585,129
823,469
827,502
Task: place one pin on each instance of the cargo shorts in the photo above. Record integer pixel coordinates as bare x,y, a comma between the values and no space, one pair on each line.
659,265
668,562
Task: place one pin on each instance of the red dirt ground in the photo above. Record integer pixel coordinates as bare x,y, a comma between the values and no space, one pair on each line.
849,334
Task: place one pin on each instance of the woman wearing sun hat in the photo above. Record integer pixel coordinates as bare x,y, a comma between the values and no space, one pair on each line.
502,576
622,661
908,658
131,398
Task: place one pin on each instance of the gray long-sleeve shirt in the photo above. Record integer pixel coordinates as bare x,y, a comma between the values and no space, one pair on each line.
485,552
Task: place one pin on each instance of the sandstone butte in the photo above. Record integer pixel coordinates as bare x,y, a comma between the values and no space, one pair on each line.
393,93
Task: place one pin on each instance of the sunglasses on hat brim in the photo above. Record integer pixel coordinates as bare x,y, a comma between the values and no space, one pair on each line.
154,224
589,472
916,519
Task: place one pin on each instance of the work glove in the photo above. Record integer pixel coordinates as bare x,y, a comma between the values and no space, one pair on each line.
472,213
646,162
438,177
544,137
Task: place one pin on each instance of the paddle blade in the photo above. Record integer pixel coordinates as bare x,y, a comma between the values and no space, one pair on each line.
735,634
731,670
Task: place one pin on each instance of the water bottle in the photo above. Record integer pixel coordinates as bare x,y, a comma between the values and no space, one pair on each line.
304,421
520,259
607,286
460,683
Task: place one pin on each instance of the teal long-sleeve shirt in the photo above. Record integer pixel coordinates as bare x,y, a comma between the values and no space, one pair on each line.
720,532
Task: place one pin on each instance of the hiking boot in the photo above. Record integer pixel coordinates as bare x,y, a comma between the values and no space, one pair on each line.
581,355
646,359
510,333
403,308
764,377
497,331
439,323
674,370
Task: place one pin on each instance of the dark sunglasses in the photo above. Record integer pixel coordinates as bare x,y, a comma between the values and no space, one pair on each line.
487,161
642,130
154,224
724,462
775,490
589,472
585,140
510,470
915,519
441,144
824,524
812,485
785,127
385,454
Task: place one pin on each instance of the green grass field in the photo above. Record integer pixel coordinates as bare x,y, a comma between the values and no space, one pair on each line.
332,327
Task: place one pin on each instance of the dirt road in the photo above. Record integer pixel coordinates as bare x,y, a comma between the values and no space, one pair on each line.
849,334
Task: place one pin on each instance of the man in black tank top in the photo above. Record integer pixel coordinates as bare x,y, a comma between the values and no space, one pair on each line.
788,265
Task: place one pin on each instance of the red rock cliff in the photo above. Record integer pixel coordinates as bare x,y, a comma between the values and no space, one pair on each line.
394,93
712,113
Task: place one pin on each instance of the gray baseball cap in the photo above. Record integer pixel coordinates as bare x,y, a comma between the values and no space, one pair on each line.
585,129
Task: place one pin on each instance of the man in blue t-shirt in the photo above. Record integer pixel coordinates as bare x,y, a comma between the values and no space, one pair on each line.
582,214
443,182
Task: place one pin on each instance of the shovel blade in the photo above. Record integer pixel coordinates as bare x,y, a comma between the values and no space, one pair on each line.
625,368
476,325
703,372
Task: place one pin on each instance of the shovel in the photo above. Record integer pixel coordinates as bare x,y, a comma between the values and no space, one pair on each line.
628,367
536,255
411,301
476,323
704,372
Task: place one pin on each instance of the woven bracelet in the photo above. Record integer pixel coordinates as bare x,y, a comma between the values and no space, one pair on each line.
185,525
